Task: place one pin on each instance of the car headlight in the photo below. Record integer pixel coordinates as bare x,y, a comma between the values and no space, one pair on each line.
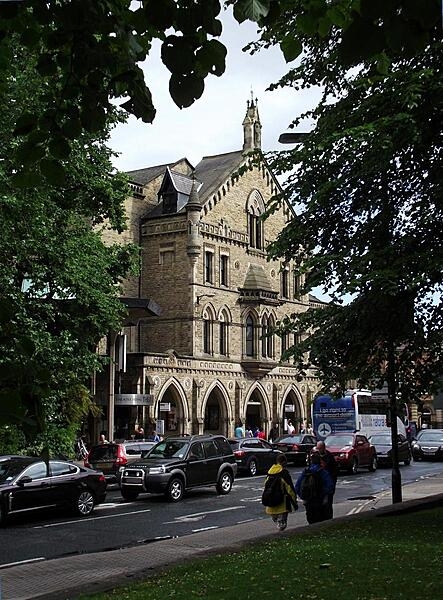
343,455
156,470
121,469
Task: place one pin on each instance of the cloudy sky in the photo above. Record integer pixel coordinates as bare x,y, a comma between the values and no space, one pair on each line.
213,124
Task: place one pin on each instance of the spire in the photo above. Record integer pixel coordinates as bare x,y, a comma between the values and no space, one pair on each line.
251,126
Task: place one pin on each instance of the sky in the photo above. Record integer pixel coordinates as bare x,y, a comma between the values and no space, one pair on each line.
213,124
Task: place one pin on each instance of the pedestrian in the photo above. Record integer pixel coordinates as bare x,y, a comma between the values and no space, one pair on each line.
327,462
273,434
309,429
255,432
291,428
140,434
248,432
102,438
288,503
314,486
152,437
261,434
239,432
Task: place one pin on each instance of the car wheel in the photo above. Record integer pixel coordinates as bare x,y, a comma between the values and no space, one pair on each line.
252,467
85,503
176,490
224,484
3,513
354,466
373,464
129,495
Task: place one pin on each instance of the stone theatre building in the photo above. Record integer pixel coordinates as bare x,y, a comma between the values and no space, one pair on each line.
197,354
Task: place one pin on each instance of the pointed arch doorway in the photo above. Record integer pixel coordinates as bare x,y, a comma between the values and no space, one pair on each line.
216,415
255,411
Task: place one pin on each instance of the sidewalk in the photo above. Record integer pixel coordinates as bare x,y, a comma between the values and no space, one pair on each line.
66,578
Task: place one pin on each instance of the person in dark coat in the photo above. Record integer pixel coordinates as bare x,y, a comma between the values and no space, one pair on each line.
315,506
327,462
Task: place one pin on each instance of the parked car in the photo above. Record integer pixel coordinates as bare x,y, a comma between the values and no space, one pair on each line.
383,447
29,484
428,444
253,455
109,457
352,451
297,446
179,463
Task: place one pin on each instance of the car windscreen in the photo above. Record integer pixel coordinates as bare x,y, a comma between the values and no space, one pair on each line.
339,440
10,469
234,444
289,439
381,439
169,449
430,436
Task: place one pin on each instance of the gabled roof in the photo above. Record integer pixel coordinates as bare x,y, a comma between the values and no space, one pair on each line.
143,176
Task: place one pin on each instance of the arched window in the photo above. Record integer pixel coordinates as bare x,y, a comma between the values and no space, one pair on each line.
255,208
223,338
267,337
208,332
250,336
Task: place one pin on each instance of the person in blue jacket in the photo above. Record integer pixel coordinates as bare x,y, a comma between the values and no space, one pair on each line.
316,505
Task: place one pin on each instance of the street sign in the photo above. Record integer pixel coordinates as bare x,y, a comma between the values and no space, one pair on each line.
134,399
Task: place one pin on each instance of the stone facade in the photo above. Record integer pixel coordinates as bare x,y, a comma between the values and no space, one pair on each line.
206,361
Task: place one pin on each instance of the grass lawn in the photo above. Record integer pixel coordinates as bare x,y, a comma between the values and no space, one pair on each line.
381,558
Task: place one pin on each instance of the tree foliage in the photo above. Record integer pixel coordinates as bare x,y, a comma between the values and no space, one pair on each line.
59,281
367,185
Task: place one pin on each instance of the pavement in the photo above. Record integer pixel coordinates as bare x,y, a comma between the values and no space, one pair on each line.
68,577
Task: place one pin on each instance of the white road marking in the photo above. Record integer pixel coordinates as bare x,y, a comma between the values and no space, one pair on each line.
201,515
23,562
205,528
126,514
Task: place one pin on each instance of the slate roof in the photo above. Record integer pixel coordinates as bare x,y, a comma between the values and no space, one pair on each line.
143,176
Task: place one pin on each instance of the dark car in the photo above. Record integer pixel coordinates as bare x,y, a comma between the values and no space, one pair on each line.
296,447
109,457
179,463
383,447
29,484
253,455
428,444
352,451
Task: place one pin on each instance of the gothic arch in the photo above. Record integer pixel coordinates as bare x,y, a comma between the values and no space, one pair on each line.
216,409
255,203
293,397
256,410
176,420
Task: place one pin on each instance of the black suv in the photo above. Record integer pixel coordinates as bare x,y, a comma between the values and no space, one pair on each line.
180,463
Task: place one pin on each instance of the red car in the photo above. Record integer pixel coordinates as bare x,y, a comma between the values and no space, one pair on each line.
352,451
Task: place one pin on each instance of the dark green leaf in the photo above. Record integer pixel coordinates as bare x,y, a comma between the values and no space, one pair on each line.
291,47
185,89
53,171
254,10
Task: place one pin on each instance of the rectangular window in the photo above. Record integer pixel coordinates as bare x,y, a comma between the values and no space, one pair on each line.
285,284
224,261
223,338
207,337
209,267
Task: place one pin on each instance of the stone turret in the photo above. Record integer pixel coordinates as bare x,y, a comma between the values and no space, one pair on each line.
251,127
193,210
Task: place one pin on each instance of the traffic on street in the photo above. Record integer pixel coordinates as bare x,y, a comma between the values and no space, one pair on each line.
117,523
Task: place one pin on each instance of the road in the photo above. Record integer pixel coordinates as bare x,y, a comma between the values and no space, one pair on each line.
118,523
